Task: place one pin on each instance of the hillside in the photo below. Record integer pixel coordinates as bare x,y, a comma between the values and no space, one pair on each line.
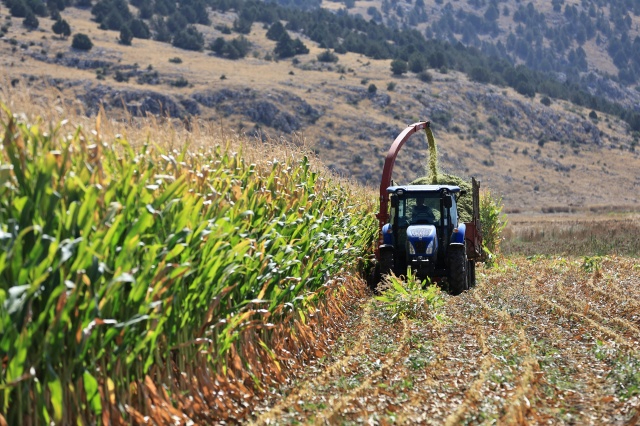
551,155
596,43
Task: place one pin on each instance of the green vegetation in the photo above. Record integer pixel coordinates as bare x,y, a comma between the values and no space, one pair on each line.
81,42
409,297
493,222
119,264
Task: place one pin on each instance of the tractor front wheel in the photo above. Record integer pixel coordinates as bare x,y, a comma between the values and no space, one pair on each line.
458,276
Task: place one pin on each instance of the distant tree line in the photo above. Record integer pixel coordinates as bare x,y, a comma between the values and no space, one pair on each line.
550,48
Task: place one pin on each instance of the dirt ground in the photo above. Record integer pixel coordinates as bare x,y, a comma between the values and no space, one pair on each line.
538,341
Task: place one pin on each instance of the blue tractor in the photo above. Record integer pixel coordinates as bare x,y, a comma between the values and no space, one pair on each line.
420,228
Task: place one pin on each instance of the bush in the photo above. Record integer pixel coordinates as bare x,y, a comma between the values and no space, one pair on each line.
189,39
545,101
327,56
399,67
30,21
19,9
425,76
180,82
81,42
391,86
61,28
372,89
120,77
175,60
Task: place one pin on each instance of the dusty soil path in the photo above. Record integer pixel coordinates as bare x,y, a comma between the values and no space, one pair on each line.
538,341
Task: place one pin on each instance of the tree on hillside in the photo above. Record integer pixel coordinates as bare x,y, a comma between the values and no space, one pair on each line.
61,28
276,30
189,38
113,21
58,5
38,8
125,35
242,25
399,67
81,42
30,21
287,47
19,9
140,29
218,45
159,26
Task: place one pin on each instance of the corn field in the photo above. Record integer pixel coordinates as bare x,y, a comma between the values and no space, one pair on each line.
131,274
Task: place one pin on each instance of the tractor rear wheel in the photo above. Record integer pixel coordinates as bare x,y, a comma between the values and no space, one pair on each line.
458,276
471,273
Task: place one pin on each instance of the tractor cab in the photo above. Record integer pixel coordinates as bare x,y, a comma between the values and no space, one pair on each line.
422,222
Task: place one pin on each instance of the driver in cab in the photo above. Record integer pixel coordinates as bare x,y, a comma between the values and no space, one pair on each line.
422,214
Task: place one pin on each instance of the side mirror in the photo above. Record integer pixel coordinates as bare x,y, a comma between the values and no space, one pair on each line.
447,202
394,201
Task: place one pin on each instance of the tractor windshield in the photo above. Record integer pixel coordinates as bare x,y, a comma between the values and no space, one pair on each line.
422,209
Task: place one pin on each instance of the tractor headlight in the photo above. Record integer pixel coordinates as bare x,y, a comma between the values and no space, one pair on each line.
430,247
411,249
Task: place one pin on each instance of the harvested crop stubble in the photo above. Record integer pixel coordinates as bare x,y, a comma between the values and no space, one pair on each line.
130,274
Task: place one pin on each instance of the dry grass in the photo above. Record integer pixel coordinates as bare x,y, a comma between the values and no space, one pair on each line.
579,234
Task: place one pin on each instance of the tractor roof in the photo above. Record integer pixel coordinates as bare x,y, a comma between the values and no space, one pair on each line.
423,188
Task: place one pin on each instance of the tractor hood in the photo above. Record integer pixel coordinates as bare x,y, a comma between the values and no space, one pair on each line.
422,239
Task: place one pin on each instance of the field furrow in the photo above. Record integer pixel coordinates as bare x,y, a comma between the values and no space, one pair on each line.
536,342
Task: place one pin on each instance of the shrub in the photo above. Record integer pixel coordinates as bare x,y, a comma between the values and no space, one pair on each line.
175,60
545,101
391,86
81,42
327,56
189,39
180,82
120,77
372,89
399,67
30,21
425,76
61,28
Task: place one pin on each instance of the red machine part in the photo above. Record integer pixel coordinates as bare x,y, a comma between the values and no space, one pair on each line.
383,215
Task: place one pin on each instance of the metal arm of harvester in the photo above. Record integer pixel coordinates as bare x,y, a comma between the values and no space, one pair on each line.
383,215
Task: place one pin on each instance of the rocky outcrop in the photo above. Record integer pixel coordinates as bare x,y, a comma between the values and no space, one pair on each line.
279,110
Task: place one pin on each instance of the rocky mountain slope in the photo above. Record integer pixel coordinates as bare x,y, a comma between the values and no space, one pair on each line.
537,153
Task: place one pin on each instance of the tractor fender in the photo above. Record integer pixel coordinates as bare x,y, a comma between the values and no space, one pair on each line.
456,246
387,236
457,236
